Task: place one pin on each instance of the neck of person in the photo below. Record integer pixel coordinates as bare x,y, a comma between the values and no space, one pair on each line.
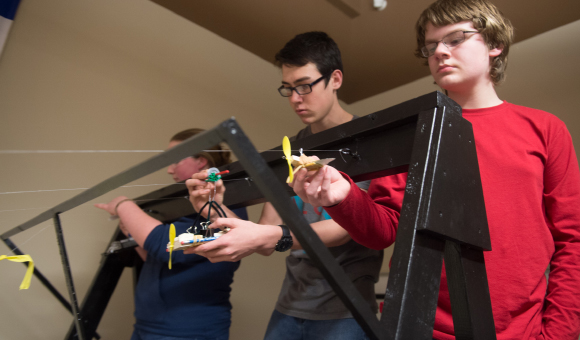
477,96
335,117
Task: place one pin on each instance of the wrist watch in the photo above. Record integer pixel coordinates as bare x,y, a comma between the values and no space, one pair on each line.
286,241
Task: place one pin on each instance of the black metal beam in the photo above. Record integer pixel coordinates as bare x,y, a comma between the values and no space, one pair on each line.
468,292
78,319
376,145
273,190
102,288
40,277
442,210
439,216
448,205
456,207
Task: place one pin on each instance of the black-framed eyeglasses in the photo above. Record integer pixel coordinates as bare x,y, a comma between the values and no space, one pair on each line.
450,40
300,89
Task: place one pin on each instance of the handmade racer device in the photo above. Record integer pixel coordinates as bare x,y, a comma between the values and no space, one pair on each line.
187,240
309,163
200,232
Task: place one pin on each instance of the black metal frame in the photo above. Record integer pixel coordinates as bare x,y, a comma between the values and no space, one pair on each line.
443,212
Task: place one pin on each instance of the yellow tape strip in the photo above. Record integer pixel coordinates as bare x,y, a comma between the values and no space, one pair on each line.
171,241
22,258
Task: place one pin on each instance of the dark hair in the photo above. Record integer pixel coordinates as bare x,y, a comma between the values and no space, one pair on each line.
496,30
214,159
311,47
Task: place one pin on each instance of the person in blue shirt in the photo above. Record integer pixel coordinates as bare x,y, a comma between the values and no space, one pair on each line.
191,300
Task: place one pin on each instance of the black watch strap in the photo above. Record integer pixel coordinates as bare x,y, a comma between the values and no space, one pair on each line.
286,241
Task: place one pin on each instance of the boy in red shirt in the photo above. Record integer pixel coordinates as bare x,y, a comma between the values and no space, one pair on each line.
529,173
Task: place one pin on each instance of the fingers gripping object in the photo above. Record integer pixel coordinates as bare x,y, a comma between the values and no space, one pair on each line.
200,232
309,163
214,174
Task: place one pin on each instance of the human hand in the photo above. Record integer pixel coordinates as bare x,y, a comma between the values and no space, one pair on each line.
324,188
112,206
200,190
243,239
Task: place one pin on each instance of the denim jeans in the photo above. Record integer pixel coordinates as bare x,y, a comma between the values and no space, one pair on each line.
284,327
140,335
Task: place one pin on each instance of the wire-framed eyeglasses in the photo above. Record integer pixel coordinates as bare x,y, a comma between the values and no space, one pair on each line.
300,89
450,40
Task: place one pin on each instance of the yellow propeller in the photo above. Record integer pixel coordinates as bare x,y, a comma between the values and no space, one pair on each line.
288,153
171,240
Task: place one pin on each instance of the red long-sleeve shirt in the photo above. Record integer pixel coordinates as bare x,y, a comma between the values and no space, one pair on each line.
531,186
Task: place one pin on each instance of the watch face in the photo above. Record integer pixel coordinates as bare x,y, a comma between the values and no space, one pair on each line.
284,244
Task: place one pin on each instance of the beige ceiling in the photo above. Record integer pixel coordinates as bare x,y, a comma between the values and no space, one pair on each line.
377,46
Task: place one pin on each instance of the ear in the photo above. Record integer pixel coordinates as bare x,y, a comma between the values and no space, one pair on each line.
202,162
496,51
336,79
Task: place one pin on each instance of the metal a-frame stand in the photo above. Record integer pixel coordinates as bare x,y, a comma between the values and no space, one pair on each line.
443,213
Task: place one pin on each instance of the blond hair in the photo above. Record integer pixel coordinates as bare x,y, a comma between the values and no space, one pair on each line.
496,30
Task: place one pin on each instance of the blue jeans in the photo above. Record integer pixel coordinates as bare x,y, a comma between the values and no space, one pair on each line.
140,335
284,327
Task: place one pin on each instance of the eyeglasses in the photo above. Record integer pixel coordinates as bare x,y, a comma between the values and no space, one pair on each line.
450,40
300,89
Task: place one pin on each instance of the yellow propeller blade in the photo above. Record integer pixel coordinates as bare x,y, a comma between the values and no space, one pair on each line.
171,240
288,153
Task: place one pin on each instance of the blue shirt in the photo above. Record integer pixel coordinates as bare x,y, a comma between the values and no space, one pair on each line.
191,299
